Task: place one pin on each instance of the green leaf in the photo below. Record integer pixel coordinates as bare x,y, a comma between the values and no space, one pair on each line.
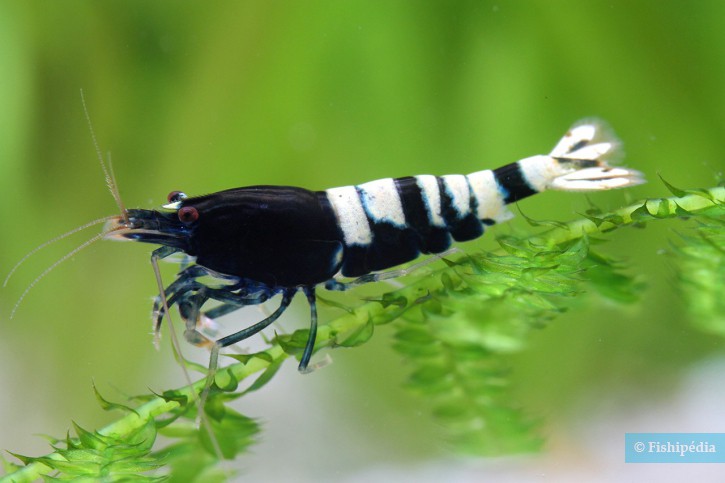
26,460
109,406
175,396
226,381
700,265
265,377
417,335
89,439
8,466
245,358
358,336
611,283
429,374
641,213
675,191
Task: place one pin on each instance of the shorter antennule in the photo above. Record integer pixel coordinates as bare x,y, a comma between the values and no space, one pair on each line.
107,168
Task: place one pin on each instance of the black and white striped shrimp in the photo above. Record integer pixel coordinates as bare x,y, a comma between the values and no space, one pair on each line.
263,241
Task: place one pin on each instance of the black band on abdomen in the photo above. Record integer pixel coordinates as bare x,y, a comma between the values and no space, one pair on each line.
512,183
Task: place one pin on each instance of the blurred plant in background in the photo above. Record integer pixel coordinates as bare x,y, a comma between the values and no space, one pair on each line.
202,97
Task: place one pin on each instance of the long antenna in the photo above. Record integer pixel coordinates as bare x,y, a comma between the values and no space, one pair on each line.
50,242
50,268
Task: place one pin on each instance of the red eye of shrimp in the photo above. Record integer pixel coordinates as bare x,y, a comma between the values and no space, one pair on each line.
188,214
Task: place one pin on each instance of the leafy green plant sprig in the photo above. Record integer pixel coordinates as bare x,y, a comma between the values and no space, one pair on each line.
453,325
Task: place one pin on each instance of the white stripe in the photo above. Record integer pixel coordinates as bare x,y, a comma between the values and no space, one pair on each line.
540,171
431,195
381,200
350,215
490,202
457,188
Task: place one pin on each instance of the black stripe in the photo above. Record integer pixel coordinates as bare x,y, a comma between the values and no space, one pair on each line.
470,226
429,238
414,207
462,228
512,184
577,146
472,200
391,245
449,213
354,261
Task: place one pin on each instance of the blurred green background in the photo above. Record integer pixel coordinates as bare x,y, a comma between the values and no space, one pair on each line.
202,96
